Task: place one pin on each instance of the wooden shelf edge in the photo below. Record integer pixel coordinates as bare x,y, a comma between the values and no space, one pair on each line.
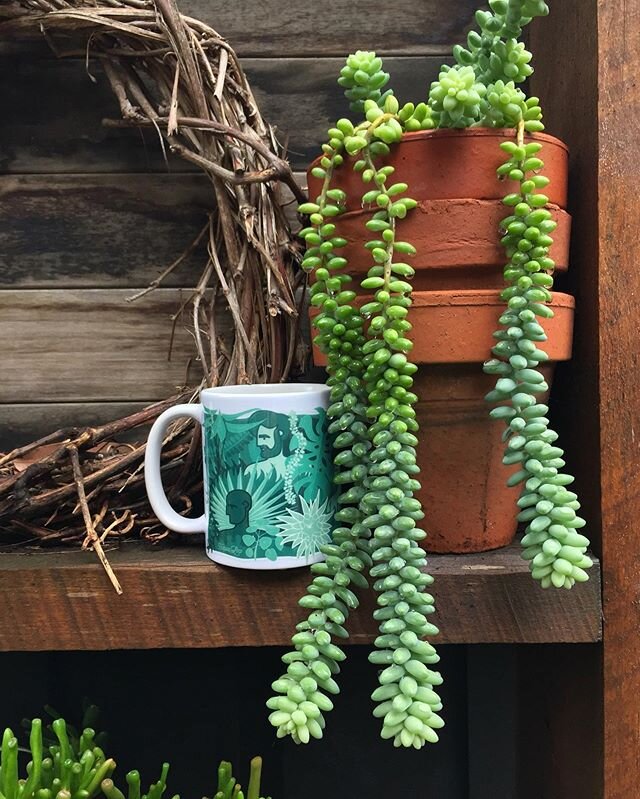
174,597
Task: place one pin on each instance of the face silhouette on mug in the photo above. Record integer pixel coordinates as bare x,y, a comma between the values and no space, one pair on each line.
238,506
272,435
267,442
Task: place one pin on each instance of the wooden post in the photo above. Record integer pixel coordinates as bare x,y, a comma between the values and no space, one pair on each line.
587,75
619,293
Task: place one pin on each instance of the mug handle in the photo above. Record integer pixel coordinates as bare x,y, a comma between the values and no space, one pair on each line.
153,479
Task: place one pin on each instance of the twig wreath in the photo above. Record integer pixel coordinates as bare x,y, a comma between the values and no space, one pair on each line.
178,76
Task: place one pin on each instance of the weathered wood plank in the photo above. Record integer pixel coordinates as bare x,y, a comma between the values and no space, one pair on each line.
63,131
619,341
586,72
103,231
22,423
91,345
100,230
176,597
273,28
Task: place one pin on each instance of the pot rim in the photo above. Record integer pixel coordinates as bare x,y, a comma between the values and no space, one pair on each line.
349,215
501,133
474,297
455,298
466,133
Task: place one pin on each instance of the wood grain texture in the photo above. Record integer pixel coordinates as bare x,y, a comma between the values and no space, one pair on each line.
63,131
177,598
100,230
21,423
587,72
619,288
276,29
104,231
91,345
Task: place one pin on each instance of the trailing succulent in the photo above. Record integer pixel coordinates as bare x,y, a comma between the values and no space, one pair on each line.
77,768
552,543
368,350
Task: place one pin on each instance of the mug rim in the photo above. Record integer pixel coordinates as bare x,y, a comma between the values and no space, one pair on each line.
266,390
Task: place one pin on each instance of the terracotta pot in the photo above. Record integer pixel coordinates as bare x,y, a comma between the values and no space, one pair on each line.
455,229
457,242
455,164
468,506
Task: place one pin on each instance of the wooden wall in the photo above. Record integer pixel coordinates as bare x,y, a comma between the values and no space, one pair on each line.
88,214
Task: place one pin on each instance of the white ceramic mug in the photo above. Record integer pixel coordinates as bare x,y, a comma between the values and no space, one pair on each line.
268,476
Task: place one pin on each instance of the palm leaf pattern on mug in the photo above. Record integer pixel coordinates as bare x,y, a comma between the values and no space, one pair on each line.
228,439
267,495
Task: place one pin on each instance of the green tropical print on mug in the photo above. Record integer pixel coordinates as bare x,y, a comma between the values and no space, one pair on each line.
270,492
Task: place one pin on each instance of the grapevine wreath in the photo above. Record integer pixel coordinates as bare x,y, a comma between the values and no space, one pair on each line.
179,78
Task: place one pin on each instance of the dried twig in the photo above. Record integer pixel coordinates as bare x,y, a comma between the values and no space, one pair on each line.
92,536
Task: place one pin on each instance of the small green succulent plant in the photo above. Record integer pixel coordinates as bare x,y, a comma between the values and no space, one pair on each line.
368,352
75,767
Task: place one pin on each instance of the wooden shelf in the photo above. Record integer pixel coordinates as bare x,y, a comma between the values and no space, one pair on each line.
174,597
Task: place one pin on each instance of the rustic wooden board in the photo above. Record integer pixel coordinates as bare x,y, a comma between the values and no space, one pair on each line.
273,28
278,29
619,341
176,597
100,230
585,76
63,131
104,231
91,345
22,423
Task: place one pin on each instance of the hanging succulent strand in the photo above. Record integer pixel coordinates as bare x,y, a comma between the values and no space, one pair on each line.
552,544
374,423
301,694
406,700
481,90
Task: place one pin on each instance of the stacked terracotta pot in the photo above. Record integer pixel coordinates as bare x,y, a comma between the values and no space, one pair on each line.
456,306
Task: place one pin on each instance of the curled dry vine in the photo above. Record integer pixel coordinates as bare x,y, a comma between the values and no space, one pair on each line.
180,78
